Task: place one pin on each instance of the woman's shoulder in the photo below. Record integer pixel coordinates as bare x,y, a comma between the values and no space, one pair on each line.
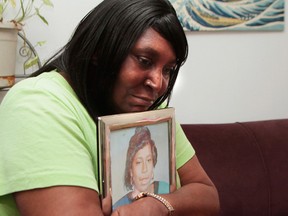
51,81
45,89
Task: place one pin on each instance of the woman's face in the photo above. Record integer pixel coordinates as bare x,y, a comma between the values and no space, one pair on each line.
151,60
142,169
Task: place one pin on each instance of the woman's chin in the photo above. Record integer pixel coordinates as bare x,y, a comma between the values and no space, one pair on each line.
139,109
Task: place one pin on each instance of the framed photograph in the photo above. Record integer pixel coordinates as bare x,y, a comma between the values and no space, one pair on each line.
136,154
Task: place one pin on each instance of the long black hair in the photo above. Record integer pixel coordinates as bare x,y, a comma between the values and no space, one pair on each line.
103,39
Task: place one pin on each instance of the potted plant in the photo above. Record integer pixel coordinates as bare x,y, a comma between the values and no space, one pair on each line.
13,15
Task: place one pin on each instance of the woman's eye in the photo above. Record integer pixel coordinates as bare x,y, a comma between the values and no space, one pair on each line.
168,71
145,62
138,162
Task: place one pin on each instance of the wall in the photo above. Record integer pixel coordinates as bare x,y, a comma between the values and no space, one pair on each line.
229,76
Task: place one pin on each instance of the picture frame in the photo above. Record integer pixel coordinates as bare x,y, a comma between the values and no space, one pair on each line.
125,167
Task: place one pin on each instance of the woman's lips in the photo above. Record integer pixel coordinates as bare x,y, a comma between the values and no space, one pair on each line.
144,181
143,101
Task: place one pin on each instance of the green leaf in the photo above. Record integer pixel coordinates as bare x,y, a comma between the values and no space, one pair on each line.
40,43
13,3
31,62
48,3
40,16
1,12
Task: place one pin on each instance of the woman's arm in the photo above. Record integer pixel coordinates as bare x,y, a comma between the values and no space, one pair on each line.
59,200
197,196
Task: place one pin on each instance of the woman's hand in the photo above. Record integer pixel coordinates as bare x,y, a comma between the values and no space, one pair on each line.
145,206
107,205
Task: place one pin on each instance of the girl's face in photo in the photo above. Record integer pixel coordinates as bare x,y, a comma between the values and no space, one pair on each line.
142,169
151,60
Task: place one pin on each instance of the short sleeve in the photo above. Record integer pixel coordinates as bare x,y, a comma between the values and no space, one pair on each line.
184,149
46,140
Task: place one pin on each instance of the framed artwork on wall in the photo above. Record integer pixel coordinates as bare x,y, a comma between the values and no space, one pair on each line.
136,154
230,15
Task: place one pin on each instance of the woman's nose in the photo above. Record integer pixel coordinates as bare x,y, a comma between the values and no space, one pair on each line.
155,80
144,167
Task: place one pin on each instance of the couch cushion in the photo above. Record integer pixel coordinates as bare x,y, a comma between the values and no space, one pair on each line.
247,163
272,139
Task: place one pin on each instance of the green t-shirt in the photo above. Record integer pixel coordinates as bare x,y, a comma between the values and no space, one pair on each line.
49,139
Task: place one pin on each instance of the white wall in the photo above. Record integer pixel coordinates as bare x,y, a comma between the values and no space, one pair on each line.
228,77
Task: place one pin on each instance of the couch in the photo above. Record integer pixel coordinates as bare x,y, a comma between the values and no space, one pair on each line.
248,163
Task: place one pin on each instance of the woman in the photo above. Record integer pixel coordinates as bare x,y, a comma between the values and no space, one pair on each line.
124,56
141,160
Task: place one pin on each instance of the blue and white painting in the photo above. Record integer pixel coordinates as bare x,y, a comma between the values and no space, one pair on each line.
239,15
